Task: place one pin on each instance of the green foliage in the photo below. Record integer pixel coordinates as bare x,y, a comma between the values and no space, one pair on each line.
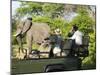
52,10
92,51
14,23
44,19
82,10
84,22
47,9
22,11
61,24
29,8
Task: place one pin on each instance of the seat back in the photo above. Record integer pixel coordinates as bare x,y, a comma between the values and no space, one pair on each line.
83,49
67,44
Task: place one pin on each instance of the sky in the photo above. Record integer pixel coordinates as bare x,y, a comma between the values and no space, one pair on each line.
15,5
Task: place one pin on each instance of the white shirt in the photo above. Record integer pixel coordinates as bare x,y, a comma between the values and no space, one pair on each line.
78,37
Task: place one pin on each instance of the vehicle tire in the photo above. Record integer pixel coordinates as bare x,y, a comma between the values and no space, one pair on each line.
54,68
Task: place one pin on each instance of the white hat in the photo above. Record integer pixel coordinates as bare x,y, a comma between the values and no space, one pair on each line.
57,31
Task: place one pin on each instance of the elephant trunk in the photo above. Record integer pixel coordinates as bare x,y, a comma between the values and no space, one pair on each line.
20,43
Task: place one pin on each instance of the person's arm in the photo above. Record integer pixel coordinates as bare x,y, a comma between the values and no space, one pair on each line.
70,34
74,36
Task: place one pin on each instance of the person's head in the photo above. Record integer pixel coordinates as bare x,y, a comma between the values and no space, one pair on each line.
75,28
29,18
57,31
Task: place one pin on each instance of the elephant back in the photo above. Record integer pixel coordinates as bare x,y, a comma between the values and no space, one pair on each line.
39,31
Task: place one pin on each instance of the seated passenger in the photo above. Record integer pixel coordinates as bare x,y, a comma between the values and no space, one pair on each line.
76,38
58,42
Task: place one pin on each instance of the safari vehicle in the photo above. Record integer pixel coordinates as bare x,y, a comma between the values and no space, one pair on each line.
63,62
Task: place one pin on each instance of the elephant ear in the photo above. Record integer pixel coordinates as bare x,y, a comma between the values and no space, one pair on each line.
19,28
27,26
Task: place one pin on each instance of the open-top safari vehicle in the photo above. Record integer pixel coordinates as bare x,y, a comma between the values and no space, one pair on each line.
62,62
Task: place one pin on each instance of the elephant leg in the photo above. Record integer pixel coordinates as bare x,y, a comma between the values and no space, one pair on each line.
20,49
29,45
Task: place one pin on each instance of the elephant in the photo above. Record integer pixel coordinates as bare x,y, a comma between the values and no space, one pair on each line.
34,32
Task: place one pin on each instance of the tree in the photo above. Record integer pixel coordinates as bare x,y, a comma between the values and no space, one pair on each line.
53,10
